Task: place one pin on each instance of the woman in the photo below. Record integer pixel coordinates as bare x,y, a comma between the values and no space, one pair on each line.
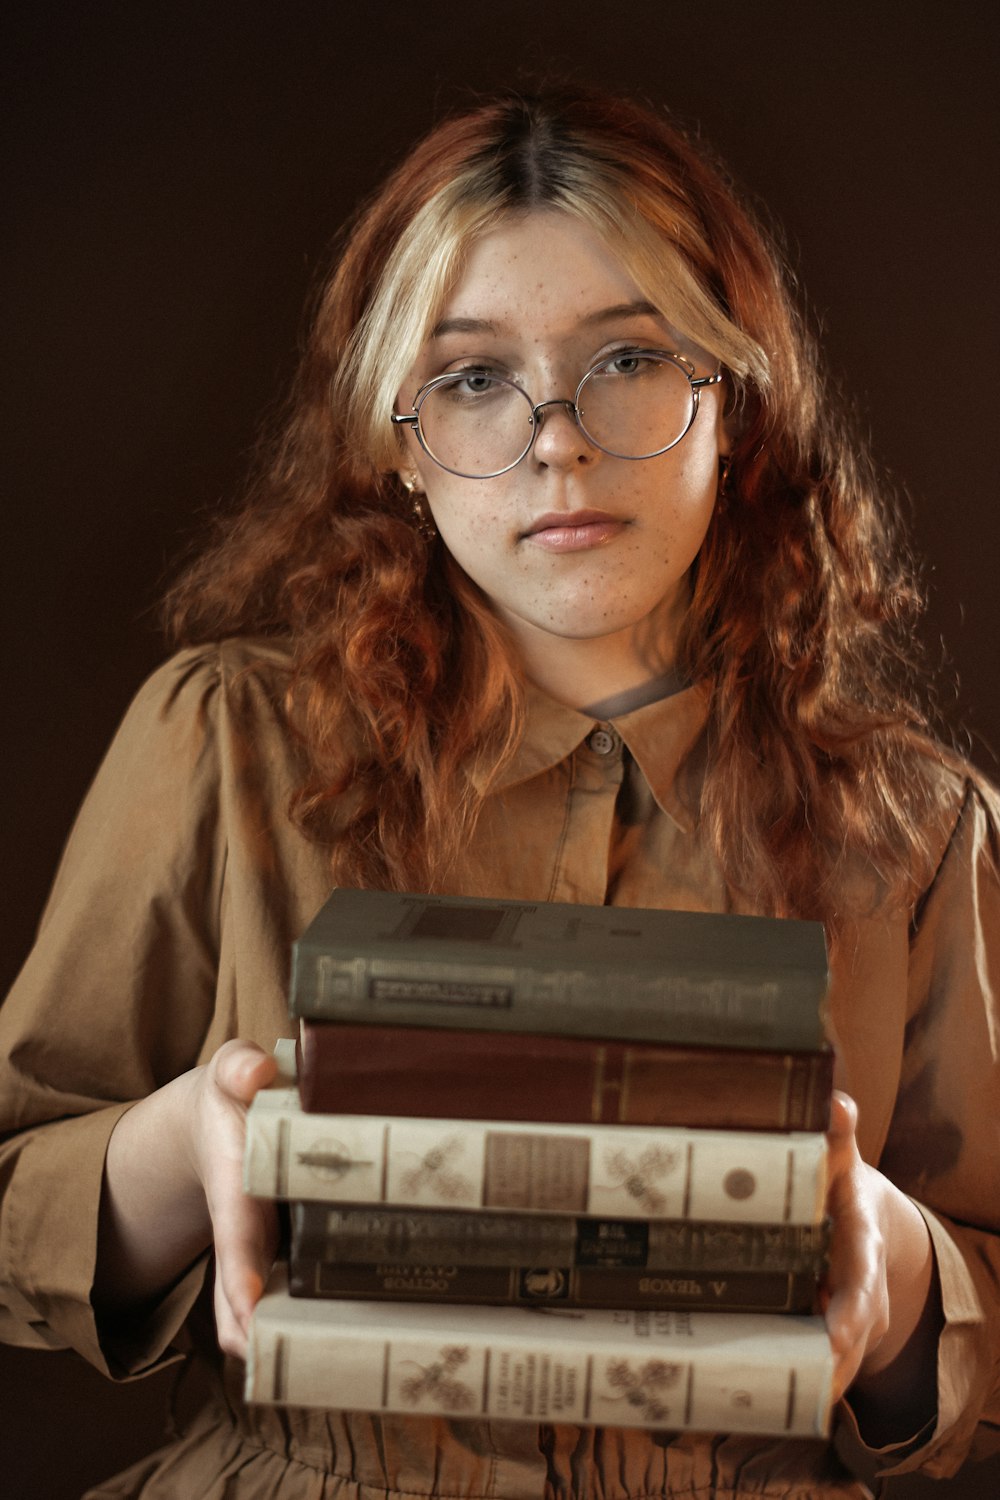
558,459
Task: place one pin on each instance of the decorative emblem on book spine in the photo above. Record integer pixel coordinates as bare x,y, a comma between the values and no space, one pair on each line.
437,1382
433,1172
329,1160
643,1388
638,1174
547,1281
739,1184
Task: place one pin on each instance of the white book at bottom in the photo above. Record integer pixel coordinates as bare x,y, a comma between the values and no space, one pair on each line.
764,1373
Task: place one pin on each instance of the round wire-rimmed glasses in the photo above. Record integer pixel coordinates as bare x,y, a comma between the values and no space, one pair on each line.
636,404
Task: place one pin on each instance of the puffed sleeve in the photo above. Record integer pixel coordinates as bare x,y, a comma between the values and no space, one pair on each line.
943,1147
115,1000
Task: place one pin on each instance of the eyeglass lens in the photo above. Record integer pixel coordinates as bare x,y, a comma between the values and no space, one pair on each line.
633,405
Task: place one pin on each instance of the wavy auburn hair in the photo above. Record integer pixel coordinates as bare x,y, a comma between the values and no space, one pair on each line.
817,760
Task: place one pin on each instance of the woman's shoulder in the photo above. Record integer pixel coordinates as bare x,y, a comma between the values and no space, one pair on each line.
201,698
235,672
227,663
964,814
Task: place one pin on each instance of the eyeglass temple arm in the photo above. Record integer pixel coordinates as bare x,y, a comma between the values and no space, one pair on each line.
407,419
701,380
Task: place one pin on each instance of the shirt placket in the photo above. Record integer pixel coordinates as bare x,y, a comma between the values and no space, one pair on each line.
582,868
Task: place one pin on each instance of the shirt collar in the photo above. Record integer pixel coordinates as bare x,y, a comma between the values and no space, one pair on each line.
659,736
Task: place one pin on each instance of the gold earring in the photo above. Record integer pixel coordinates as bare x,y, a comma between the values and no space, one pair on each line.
421,515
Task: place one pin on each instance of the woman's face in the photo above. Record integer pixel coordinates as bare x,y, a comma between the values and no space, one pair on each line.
572,545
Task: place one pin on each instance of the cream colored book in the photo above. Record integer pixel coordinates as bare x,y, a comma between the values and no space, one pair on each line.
763,1373
623,1171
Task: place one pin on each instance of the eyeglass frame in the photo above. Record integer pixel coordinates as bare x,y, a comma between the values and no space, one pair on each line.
696,382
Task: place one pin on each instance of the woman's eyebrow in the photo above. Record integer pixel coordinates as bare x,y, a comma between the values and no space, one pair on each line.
463,325
622,310
639,309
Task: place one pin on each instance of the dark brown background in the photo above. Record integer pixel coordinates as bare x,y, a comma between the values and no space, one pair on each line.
173,174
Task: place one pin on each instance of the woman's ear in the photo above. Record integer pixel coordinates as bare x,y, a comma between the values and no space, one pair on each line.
729,415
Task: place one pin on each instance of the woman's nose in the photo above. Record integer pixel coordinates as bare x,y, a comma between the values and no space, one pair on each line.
560,441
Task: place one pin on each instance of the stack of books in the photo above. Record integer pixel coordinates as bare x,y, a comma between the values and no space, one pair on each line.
526,1181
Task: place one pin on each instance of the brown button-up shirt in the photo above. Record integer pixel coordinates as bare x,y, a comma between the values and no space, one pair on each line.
169,931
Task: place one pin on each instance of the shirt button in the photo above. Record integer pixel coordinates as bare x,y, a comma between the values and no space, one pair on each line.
602,741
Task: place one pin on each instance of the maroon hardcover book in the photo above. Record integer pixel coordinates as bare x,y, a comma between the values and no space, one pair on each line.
486,1075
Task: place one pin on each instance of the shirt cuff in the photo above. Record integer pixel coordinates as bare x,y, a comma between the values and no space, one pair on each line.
941,1445
48,1253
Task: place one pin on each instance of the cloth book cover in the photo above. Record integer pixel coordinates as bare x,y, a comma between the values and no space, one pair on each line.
614,1171
499,1075
453,1257
714,1371
499,1239
551,1285
691,978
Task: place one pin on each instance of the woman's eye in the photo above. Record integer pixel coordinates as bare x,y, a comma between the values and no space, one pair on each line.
473,383
469,387
628,362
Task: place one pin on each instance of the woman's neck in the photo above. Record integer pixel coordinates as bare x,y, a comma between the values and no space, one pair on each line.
606,674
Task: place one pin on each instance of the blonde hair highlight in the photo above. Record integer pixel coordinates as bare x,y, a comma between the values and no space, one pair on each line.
428,258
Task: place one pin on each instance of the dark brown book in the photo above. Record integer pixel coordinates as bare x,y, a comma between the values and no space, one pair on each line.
553,1286
480,1075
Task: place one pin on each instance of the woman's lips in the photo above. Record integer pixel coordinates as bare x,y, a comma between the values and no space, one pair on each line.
573,531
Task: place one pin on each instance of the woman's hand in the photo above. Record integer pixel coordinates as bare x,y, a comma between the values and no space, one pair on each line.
244,1230
881,1301
173,1187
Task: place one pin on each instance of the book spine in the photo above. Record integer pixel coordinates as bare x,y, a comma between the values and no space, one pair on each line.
497,1239
759,1373
781,1011
361,1069
605,1170
552,1285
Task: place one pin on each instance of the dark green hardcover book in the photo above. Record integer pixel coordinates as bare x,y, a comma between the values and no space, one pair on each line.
324,1232
692,978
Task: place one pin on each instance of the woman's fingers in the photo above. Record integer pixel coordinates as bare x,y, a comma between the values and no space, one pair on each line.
843,1121
240,1069
856,1305
245,1247
244,1229
856,1290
